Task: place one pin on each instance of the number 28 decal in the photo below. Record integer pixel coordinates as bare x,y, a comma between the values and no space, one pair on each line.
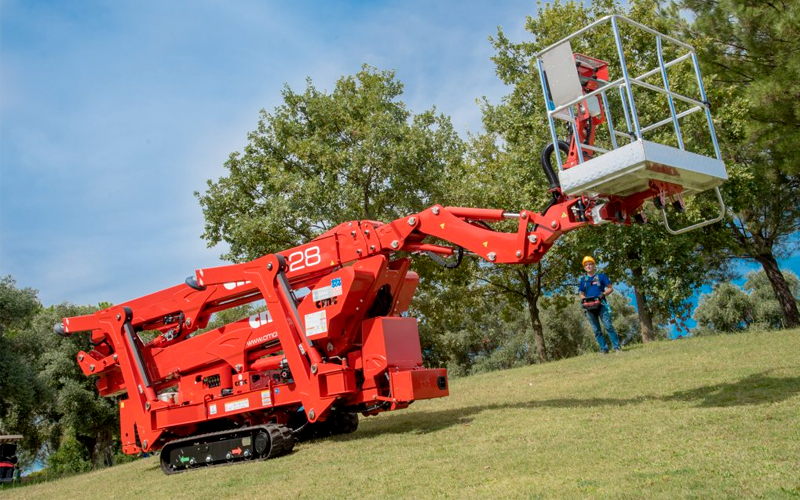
304,258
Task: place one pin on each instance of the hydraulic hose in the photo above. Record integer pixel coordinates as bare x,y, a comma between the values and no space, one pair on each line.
547,164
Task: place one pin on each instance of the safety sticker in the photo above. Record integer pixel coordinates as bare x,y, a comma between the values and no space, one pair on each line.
266,398
237,405
326,292
212,410
316,322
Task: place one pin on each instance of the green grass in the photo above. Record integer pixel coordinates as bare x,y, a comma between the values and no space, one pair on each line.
709,417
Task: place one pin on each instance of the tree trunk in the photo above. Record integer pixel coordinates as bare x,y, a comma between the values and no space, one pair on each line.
538,332
645,318
532,295
791,317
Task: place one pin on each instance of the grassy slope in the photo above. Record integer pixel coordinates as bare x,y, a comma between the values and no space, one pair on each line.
714,417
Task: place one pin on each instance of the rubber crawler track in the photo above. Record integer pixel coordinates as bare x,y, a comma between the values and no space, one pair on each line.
281,442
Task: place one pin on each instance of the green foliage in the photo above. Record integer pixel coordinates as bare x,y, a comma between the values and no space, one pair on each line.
767,310
19,385
71,457
501,337
503,166
665,269
567,331
17,306
231,315
728,308
45,396
322,159
753,49
505,342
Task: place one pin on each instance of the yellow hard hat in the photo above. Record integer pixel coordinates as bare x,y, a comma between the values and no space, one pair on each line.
588,258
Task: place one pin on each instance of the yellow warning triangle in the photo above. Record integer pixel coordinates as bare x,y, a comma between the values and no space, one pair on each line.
563,215
485,243
441,225
333,263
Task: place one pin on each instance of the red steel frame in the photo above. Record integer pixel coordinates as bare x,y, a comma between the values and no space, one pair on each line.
338,349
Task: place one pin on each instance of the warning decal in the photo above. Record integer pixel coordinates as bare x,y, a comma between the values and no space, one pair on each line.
266,398
237,405
316,323
326,292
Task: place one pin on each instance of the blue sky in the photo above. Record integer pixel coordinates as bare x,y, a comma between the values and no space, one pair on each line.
113,113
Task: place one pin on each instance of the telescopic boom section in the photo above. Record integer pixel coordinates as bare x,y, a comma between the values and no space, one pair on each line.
331,342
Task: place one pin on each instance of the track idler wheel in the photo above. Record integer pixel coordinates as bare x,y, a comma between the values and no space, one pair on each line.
261,443
273,441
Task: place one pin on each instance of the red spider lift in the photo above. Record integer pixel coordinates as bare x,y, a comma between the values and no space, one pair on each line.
333,340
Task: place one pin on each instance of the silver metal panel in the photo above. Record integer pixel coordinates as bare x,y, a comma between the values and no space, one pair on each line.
562,75
629,169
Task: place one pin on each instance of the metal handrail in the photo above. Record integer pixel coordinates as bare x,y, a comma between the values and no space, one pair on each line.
699,224
612,17
625,84
667,120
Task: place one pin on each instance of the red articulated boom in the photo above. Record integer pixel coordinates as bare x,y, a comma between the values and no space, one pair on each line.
333,340
242,391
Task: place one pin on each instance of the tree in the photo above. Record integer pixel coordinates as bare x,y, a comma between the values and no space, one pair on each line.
663,270
17,306
68,407
766,309
45,396
322,159
566,330
753,48
19,390
504,171
728,308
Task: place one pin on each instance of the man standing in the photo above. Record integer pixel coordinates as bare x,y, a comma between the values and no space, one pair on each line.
594,288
